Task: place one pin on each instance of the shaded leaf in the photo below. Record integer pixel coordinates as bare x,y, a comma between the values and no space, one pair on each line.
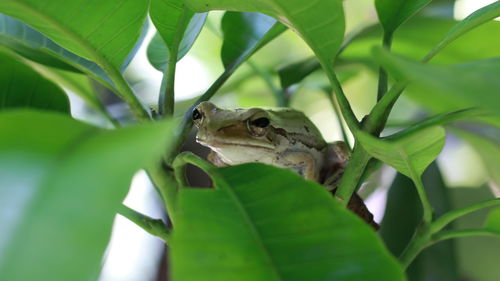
409,154
296,72
21,86
244,33
320,23
403,214
265,223
475,19
61,182
104,35
461,86
177,26
392,13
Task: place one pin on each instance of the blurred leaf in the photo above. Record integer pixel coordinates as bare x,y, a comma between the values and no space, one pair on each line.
392,13
487,149
245,33
413,40
493,221
102,31
409,154
475,19
177,26
403,214
21,86
60,183
296,72
461,86
35,46
265,223
319,23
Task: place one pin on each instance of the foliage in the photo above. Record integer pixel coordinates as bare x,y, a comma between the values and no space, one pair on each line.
62,181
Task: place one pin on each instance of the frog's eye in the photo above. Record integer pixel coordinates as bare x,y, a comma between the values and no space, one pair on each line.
196,114
260,122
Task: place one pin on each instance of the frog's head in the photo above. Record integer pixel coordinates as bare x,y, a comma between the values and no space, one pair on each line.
254,134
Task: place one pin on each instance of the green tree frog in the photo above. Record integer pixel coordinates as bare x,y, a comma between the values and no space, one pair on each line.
281,137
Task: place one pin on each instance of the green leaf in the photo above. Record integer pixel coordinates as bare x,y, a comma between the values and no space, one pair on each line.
392,13
488,150
178,28
243,32
61,182
21,86
475,19
493,221
265,223
320,23
296,72
413,40
409,154
102,31
472,84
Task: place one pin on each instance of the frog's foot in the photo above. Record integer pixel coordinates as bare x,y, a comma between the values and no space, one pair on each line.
357,206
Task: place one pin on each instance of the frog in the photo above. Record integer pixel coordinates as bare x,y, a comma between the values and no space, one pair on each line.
281,137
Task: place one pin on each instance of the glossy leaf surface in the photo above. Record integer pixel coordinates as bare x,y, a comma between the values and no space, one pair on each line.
104,35
281,228
61,182
22,87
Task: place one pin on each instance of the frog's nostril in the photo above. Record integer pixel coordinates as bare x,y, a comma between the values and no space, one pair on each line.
196,114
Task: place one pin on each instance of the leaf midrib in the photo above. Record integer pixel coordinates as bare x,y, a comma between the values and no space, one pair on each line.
252,226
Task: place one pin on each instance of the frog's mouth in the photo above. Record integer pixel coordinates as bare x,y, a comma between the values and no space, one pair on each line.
224,143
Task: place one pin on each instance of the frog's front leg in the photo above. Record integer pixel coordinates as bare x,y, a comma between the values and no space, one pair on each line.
303,163
336,157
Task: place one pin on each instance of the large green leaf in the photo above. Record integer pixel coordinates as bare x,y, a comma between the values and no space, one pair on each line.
102,31
320,23
475,19
461,86
392,13
409,154
178,28
296,72
61,182
21,86
265,223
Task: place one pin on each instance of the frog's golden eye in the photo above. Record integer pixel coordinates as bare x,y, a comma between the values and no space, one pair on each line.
258,127
260,122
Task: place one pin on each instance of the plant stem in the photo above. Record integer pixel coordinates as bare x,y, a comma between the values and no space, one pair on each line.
154,227
450,216
353,174
345,106
426,205
441,236
164,180
419,241
166,98
382,77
